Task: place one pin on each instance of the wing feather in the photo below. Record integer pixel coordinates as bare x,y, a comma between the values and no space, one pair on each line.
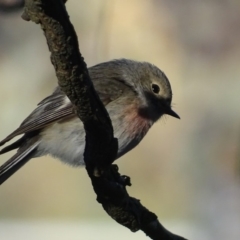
57,106
50,109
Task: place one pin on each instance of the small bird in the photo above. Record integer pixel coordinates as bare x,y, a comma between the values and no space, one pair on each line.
135,94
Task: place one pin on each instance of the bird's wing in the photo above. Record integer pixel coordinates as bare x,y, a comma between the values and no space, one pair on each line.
50,109
57,106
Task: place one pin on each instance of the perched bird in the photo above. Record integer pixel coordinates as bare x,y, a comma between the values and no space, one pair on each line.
135,94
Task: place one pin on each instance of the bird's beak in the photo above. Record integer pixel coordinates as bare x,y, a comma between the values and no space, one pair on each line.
170,112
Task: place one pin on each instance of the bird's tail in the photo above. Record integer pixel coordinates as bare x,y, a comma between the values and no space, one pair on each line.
23,155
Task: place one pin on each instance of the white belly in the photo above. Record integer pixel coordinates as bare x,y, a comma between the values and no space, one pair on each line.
62,141
66,140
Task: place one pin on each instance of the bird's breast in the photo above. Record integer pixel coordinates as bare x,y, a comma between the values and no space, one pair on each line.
129,128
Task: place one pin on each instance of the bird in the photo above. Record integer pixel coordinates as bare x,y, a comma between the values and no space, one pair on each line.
135,94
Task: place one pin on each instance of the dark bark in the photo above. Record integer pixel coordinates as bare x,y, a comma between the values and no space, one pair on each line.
101,146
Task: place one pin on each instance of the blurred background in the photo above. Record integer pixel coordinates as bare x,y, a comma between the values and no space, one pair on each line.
187,171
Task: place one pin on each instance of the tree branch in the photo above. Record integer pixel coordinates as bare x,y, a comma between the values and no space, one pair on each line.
101,146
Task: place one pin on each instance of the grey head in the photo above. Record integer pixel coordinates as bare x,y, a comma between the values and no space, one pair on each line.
147,81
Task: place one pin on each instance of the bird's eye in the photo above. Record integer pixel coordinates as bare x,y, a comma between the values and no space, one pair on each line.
155,88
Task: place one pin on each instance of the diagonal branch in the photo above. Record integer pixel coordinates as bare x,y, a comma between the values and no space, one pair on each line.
101,146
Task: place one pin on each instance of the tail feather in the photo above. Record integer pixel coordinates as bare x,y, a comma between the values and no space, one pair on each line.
8,138
13,146
23,155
